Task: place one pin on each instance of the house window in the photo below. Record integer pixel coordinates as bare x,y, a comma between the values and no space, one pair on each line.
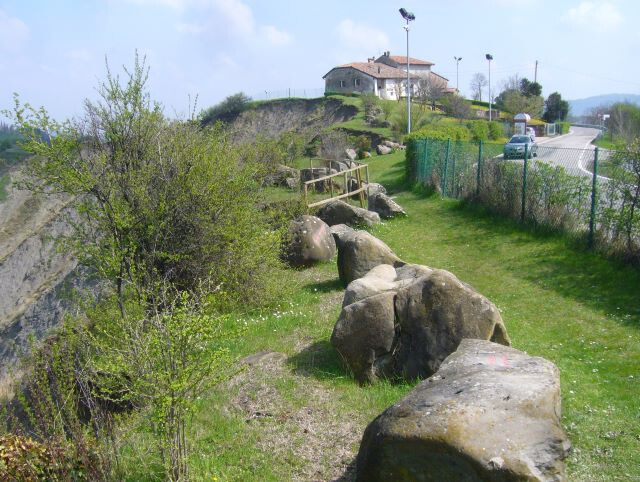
342,83
356,82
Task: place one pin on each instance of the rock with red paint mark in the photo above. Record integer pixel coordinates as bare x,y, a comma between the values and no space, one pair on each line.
490,412
310,241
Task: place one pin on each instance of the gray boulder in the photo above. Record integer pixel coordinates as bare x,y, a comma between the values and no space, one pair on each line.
339,212
433,312
382,149
490,413
340,230
375,188
292,183
359,252
363,331
351,154
310,241
281,175
386,207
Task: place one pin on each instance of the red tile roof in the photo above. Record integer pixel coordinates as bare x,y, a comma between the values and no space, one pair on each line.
402,59
374,69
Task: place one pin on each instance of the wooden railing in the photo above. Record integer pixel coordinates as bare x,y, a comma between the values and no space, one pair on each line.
360,173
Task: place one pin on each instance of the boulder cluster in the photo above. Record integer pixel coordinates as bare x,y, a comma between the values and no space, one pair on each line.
484,410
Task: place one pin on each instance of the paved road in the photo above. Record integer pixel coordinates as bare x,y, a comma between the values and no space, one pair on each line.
572,151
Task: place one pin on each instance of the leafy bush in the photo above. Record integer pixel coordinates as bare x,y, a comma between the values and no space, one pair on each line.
227,110
479,130
496,130
442,132
480,103
24,459
563,127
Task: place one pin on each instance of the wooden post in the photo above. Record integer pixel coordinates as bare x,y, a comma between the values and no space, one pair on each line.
346,185
367,174
306,199
359,181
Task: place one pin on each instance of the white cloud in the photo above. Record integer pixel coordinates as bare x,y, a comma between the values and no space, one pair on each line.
602,16
190,28
231,18
360,38
275,36
79,55
13,33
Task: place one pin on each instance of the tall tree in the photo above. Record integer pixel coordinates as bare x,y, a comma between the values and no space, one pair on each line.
556,109
478,83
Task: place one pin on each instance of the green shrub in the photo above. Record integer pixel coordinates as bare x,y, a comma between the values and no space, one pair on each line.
563,127
481,103
479,130
442,132
496,130
227,110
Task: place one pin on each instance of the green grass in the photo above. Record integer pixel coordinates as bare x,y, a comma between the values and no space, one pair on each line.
573,307
605,142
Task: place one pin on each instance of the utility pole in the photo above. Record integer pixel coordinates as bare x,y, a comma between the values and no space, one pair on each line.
489,58
535,75
457,59
408,16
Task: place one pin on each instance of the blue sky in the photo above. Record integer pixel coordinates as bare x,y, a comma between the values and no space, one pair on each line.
52,52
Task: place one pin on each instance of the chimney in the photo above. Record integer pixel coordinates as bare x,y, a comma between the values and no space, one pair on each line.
378,69
371,59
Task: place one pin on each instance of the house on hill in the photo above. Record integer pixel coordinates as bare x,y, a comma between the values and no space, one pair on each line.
385,77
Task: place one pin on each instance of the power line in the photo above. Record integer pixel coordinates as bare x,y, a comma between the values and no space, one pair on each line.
592,76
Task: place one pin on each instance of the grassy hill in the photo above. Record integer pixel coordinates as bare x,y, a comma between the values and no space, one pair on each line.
299,414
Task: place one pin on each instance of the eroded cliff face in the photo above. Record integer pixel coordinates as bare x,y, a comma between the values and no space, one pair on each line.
37,278
271,119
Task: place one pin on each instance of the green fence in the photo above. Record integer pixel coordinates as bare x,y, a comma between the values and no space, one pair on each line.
553,187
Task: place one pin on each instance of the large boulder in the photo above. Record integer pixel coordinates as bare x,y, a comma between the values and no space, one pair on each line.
351,154
374,187
359,252
281,175
363,331
382,149
386,207
490,413
310,241
433,313
339,212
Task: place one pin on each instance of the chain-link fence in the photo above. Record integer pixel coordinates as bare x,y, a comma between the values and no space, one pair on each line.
590,193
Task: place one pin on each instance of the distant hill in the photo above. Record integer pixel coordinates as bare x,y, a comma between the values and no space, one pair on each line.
582,106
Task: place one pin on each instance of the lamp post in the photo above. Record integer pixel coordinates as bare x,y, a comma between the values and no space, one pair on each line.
457,59
408,16
489,57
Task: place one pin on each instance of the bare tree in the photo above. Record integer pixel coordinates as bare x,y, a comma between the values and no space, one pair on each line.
430,90
458,107
478,83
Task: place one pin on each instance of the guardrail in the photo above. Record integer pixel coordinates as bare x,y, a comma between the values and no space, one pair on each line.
359,173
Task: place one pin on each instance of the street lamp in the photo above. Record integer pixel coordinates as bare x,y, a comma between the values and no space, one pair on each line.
457,59
489,57
408,16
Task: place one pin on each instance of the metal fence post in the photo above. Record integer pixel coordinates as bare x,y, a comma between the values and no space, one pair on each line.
479,169
453,173
594,199
524,182
446,165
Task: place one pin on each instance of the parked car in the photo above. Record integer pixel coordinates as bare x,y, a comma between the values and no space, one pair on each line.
531,132
514,149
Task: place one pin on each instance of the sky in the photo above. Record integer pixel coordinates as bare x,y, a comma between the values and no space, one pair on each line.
52,52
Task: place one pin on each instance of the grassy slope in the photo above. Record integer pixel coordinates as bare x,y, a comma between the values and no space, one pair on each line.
572,307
